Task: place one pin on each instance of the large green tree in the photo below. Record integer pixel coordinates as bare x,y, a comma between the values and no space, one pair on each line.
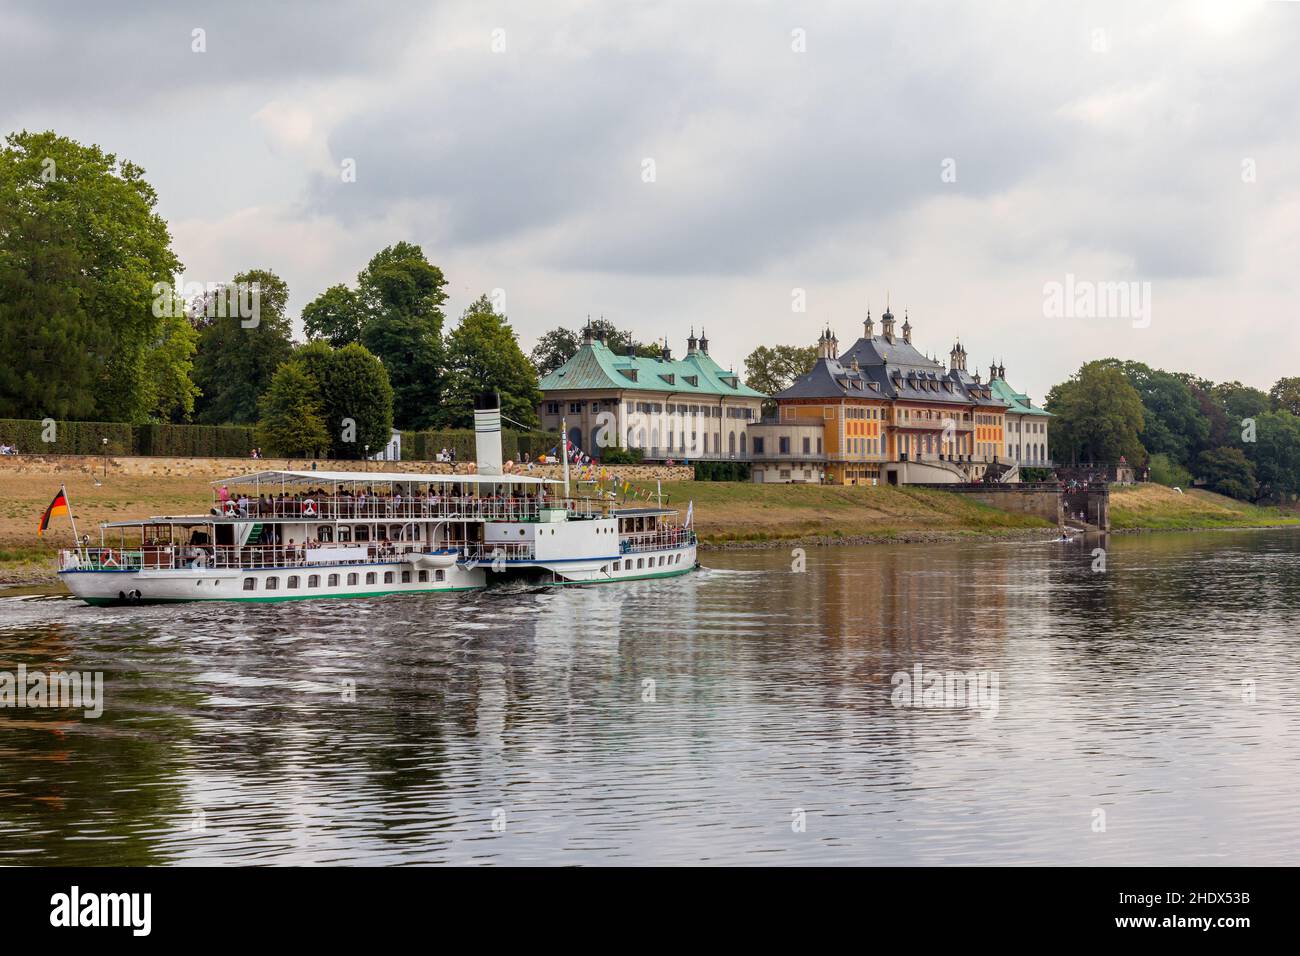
483,355
1227,471
172,392
81,250
293,421
1240,402
358,402
1285,395
1174,423
238,354
1099,416
1276,454
770,369
560,344
401,295
335,316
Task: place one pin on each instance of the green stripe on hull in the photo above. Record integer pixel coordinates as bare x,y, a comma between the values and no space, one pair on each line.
104,601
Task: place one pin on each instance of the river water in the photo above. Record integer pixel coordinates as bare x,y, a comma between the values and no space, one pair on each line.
751,713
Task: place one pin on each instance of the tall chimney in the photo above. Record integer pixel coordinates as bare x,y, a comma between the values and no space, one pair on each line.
487,433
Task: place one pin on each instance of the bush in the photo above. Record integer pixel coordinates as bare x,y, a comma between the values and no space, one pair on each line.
622,456
1035,474
1166,471
722,471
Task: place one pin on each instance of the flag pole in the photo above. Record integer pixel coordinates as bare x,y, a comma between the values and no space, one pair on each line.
76,538
564,449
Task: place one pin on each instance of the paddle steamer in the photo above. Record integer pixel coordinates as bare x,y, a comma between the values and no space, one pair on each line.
285,535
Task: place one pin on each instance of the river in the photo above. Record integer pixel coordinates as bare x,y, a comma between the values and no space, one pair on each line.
1140,712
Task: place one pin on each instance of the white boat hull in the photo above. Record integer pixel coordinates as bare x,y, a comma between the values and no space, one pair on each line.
266,584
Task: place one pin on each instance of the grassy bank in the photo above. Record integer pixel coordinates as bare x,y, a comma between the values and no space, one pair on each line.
752,513
1157,508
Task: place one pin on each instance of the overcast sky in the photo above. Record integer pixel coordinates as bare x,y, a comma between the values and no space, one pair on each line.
954,156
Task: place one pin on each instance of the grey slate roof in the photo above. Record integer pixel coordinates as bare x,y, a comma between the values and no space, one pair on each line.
890,370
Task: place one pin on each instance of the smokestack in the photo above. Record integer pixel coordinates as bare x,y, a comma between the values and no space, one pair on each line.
487,433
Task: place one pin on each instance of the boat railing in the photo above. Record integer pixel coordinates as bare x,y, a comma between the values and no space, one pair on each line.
312,508
487,552
655,540
232,557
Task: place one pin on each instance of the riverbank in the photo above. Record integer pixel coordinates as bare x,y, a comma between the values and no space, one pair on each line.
727,515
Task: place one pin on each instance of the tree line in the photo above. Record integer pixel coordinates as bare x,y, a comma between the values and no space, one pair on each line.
83,255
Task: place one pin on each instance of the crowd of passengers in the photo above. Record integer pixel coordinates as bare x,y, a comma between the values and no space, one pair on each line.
318,501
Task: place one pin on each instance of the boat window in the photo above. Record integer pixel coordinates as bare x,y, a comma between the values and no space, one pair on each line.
272,583
361,533
381,533
345,534
388,577
440,575
424,577
313,580
333,580
293,581
640,562
370,577
324,533
352,579
250,584
406,577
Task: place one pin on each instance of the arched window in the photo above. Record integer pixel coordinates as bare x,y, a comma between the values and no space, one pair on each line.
731,444
742,445
575,436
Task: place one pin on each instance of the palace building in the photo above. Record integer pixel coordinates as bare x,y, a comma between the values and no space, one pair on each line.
689,408
886,412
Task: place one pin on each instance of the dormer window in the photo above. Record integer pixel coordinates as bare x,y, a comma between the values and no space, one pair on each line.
629,373
670,378
691,379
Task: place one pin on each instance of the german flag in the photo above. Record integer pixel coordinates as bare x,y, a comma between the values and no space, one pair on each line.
59,506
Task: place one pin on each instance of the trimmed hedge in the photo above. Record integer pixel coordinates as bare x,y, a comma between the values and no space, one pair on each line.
722,471
194,441
67,438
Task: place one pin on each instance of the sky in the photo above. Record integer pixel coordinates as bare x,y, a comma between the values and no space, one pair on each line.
757,170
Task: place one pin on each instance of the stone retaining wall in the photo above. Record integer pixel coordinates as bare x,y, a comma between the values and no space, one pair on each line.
215,468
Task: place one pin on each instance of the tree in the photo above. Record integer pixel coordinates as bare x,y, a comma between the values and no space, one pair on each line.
1276,454
172,392
553,349
401,295
1173,419
559,345
335,316
1099,416
81,249
1285,395
358,402
292,423
1227,471
238,355
1240,402
483,355
773,369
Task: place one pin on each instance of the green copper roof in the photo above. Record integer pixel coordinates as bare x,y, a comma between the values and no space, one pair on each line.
1019,402
595,365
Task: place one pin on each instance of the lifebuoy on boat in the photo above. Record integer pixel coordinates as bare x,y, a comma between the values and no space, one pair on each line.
309,508
229,509
109,558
